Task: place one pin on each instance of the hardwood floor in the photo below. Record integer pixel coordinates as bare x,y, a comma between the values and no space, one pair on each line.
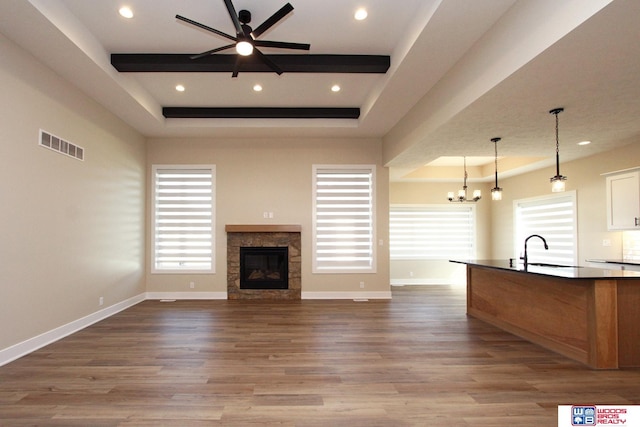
416,360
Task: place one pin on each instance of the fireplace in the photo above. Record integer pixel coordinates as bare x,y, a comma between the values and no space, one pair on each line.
267,239
264,267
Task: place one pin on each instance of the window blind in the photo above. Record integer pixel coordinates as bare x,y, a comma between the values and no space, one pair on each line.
183,219
344,219
552,217
431,232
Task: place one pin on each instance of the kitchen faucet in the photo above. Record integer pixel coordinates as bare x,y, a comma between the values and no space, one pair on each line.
525,258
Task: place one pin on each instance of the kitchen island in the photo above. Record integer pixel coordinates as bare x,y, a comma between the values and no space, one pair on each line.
615,264
591,315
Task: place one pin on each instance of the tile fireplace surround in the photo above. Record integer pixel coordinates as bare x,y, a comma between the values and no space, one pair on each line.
263,235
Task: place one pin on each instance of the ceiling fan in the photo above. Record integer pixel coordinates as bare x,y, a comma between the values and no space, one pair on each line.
245,40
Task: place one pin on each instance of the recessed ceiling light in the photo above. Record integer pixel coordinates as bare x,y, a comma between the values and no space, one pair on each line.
180,88
335,88
584,142
257,87
126,12
361,14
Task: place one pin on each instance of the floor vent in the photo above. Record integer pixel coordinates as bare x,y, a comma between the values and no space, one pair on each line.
54,143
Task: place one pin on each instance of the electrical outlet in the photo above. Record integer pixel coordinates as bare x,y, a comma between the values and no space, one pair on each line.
606,242
101,301
192,285
270,214
411,274
265,214
361,285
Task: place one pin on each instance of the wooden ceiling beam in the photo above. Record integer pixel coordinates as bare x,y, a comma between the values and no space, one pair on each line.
168,63
259,113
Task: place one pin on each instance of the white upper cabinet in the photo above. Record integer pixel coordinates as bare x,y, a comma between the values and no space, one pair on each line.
623,200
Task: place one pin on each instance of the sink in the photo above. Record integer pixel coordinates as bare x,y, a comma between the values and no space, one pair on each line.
542,264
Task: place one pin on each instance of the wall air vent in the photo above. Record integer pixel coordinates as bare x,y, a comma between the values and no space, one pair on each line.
54,143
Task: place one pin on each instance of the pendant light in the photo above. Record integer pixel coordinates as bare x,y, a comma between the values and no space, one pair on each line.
462,194
557,181
496,192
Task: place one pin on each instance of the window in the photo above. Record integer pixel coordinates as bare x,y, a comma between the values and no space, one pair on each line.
552,217
343,221
183,219
432,232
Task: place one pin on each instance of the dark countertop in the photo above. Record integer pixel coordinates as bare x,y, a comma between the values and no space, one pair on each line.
614,261
562,272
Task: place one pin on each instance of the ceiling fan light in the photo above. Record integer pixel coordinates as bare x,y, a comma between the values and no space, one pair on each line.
244,48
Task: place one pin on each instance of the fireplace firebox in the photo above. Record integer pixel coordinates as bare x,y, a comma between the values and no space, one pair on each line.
264,267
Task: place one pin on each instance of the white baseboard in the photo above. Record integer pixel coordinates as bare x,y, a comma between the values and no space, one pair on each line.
347,295
185,295
16,351
403,282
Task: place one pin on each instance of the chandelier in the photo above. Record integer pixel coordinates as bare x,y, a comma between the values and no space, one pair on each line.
462,194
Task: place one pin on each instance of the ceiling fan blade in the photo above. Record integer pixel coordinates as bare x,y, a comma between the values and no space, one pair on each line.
282,45
212,51
267,61
234,17
204,27
272,20
236,66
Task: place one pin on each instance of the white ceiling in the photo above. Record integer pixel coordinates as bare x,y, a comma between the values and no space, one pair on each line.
461,71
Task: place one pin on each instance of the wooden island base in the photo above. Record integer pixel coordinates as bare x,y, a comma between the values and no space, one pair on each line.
593,321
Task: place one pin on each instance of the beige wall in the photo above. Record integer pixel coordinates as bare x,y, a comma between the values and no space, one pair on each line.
272,175
439,271
72,231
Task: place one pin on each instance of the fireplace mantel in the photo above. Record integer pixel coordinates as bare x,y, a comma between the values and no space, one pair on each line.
263,228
